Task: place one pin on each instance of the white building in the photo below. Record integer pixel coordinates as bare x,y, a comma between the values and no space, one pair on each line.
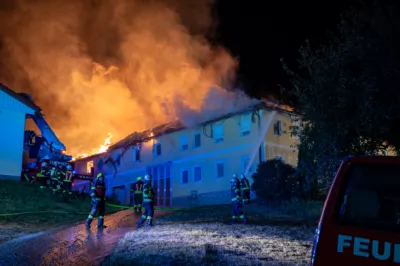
13,110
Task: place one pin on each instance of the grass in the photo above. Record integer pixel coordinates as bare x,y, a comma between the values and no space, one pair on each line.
301,208
25,209
258,214
214,244
201,236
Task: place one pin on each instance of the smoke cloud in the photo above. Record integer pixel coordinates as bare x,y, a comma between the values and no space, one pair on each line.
99,66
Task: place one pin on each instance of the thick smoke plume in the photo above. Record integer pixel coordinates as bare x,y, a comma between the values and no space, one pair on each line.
119,66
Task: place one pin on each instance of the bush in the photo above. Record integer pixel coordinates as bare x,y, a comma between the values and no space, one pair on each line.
275,181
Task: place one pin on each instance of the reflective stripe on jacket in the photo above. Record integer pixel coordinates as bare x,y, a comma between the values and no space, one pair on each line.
98,189
148,193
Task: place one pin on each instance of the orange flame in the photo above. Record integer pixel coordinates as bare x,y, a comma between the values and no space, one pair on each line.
103,148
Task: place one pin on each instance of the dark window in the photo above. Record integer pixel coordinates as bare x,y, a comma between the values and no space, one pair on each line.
370,196
197,174
197,140
278,128
137,154
220,170
157,149
185,176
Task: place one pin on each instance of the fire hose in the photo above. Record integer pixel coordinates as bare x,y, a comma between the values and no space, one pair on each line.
84,213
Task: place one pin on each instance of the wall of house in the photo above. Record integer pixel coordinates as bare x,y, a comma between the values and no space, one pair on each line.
182,168
12,119
278,141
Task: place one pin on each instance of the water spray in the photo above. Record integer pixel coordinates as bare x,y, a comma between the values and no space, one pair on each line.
263,131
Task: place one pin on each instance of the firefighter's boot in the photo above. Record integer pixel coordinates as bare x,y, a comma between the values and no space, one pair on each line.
149,222
244,220
233,221
88,222
140,222
100,223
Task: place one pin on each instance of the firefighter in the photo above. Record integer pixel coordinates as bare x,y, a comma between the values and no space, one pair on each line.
148,201
67,182
245,188
42,175
236,202
54,178
137,191
98,194
234,176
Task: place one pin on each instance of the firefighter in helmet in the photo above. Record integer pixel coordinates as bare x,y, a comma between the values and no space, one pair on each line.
55,178
137,191
236,201
42,175
148,201
98,194
68,179
245,187
234,176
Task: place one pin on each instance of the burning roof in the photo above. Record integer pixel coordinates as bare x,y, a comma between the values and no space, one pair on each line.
167,128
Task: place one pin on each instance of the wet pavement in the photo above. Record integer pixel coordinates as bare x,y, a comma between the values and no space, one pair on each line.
74,245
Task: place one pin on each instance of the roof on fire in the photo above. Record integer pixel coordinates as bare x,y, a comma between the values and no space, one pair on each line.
177,125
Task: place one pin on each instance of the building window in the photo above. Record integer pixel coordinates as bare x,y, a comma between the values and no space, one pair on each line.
196,140
219,170
245,124
197,173
136,154
89,167
184,176
184,142
218,133
278,128
157,149
296,128
117,159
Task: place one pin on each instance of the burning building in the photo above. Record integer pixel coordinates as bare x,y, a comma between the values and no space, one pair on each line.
193,165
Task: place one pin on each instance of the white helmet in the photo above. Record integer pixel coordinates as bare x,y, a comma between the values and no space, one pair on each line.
44,164
147,177
234,176
69,167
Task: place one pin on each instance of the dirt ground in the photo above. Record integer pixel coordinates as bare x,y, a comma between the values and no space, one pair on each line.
11,231
214,244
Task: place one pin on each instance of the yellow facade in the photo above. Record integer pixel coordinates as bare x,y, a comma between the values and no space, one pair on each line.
198,161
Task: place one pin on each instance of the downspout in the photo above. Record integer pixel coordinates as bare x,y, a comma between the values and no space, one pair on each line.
261,154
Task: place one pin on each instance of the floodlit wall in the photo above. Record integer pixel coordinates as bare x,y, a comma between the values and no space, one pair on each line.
12,119
279,142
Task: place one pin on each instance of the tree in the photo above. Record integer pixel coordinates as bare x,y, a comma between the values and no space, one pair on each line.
348,90
275,181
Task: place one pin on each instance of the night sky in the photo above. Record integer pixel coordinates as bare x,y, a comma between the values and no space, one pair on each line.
262,32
